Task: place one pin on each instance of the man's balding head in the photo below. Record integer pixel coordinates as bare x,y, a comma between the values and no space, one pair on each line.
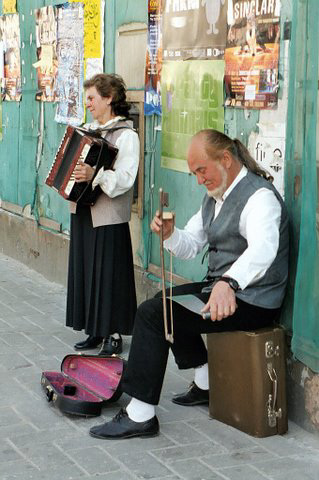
210,159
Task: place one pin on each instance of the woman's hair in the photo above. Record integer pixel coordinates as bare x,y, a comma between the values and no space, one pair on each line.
217,142
111,85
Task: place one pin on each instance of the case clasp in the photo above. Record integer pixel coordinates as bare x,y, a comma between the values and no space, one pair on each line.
49,393
271,350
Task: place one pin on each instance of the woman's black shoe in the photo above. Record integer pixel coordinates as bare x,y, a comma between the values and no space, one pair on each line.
111,345
90,342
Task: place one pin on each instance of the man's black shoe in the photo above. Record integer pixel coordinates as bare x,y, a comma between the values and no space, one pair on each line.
90,342
110,346
193,396
121,426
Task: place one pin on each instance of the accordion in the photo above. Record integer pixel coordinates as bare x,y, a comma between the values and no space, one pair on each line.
79,145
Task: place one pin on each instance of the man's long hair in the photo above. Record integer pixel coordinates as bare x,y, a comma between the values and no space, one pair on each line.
218,142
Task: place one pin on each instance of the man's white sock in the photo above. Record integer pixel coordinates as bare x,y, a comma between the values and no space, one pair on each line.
139,411
201,377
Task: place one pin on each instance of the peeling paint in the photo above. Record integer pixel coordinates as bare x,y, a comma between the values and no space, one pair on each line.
312,399
304,376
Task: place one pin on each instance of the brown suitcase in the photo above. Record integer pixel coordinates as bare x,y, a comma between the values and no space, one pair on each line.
247,377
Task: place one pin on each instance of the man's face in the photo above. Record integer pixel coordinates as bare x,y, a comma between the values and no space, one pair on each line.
209,172
96,104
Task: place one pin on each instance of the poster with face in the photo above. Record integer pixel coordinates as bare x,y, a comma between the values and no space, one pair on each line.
10,38
252,53
269,153
194,29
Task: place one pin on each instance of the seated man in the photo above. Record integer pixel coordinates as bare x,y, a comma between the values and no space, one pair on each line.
244,222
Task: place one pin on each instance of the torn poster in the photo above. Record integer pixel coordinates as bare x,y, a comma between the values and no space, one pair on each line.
269,153
195,29
46,43
70,51
9,6
10,38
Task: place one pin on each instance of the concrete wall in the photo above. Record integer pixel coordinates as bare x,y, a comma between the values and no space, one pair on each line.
40,249
303,393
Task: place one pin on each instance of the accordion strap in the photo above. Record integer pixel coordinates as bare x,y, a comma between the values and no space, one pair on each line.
112,129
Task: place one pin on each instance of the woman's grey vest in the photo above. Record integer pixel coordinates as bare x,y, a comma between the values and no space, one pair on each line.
106,210
226,244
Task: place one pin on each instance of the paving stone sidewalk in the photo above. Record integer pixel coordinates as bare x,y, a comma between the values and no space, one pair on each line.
38,442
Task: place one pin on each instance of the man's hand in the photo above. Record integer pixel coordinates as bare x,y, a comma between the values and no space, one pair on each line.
221,303
168,225
83,172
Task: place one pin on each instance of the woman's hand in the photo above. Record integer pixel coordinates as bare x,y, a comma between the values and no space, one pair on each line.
83,172
221,303
168,225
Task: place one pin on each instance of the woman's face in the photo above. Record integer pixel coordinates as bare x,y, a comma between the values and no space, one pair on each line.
100,107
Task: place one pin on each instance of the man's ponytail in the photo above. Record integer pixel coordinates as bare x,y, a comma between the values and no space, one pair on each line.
246,159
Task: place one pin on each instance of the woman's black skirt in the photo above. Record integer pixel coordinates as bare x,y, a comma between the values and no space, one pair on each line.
101,298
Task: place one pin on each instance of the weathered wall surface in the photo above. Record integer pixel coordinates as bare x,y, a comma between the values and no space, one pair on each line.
37,247
303,395
22,174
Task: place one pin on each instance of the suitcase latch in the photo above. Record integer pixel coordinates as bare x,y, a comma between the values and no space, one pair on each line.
49,393
271,350
272,413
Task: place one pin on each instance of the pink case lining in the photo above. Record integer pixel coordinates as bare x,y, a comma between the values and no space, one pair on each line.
96,378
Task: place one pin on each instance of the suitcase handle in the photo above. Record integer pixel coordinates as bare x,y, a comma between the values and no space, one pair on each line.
273,415
49,393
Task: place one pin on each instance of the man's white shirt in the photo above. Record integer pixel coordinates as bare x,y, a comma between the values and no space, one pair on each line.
259,225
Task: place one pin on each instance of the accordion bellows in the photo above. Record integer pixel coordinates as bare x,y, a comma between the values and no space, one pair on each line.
79,145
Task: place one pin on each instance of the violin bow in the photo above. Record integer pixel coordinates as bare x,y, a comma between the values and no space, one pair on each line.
163,202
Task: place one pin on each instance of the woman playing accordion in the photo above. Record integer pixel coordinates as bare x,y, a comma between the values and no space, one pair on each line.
101,297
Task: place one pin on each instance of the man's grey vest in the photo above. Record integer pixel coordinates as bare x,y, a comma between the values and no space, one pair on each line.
106,210
226,244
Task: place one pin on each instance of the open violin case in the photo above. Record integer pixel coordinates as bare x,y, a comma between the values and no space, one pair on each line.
85,384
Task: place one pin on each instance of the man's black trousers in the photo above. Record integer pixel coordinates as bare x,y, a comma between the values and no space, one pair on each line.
144,374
